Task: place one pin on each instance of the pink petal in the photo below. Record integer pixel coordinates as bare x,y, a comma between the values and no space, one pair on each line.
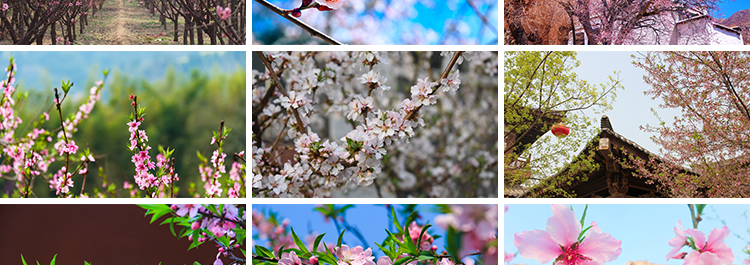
563,227
678,241
705,258
599,246
537,244
717,246
698,237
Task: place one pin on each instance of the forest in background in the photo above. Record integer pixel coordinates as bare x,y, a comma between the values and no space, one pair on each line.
182,110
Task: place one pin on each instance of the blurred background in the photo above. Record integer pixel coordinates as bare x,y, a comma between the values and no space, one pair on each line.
384,22
99,234
186,95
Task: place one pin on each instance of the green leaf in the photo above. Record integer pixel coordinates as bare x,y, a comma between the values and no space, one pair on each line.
263,252
700,208
53,260
409,243
421,234
341,238
196,263
425,255
86,263
403,260
299,242
22,260
583,232
317,241
395,221
584,215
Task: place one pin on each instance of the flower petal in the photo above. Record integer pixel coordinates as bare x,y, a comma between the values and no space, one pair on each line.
716,245
599,246
698,237
563,227
537,244
678,241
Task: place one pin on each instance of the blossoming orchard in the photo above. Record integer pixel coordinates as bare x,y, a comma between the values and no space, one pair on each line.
469,233
42,151
391,124
123,22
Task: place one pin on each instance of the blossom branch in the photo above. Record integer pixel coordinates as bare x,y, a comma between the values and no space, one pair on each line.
276,79
411,115
287,14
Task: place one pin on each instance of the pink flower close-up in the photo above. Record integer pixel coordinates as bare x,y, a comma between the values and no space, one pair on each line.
712,251
334,4
354,256
560,241
678,241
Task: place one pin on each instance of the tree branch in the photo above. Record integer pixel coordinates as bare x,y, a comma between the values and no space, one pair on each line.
286,14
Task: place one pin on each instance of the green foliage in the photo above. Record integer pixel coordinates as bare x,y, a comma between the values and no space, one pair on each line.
541,89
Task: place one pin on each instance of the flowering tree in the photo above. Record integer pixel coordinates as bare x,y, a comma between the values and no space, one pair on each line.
541,90
375,22
471,233
31,155
614,21
298,152
27,21
223,21
711,137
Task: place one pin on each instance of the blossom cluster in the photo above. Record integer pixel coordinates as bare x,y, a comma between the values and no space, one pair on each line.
223,225
138,145
303,158
28,154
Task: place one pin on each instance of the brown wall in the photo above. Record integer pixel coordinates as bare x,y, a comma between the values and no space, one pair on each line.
99,234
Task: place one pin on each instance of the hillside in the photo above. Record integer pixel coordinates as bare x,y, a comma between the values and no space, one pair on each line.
742,19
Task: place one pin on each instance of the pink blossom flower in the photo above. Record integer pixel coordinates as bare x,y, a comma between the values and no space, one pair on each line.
354,256
5,6
333,4
678,241
190,209
223,13
508,257
445,261
384,260
560,242
714,251
290,258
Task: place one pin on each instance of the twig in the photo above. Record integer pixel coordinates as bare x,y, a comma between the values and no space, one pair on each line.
286,14
447,71
482,17
276,79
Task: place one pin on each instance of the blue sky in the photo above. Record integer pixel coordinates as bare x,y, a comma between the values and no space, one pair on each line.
644,229
430,17
371,220
729,7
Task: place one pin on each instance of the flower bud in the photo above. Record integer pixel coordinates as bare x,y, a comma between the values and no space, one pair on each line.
195,225
296,12
313,260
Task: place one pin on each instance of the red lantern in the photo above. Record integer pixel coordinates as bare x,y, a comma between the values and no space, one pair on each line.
560,130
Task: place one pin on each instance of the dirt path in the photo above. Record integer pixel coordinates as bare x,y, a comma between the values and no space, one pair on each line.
123,22
122,34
